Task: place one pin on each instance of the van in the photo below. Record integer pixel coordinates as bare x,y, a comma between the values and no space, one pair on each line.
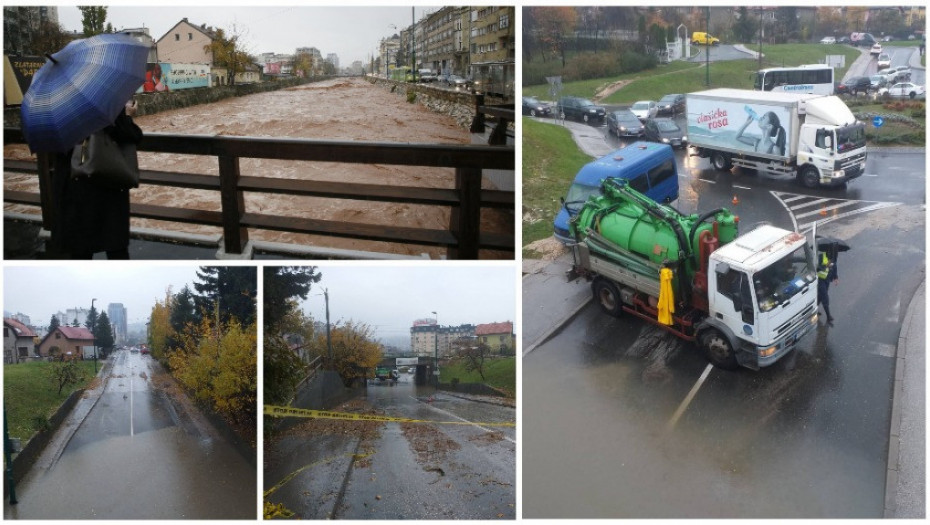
699,38
650,169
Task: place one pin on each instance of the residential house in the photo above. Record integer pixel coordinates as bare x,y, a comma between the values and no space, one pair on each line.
18,341
186,43
498,336
64,340
427,337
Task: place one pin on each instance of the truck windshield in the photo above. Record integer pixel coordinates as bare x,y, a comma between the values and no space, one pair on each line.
849,138
782,280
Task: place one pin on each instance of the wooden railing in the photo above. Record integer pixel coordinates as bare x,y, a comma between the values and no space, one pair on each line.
462,240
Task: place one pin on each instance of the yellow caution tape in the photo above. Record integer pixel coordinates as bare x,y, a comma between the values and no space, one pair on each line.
292,475
275,411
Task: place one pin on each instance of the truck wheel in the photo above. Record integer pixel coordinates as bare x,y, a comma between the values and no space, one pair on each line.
584,118
721,161
809,177
532,112
607,295
718,350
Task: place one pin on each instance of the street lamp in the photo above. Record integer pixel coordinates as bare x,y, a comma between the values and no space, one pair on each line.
93,333
436,349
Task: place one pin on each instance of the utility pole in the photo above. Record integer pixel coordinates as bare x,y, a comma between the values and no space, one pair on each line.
436,349
707,45
93,333
329,341
413,44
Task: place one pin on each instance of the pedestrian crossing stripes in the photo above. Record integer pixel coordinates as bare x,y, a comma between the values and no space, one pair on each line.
807,210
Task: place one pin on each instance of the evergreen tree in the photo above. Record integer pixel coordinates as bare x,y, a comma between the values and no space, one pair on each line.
53,324
281,285
91,319
232,288
184,317
104,335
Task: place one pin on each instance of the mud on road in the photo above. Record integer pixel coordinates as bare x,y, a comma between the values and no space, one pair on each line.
348,109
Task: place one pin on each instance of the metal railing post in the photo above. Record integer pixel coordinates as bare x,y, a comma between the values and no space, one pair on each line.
235,236
465,222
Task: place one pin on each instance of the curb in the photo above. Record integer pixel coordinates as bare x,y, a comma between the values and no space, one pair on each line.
908,330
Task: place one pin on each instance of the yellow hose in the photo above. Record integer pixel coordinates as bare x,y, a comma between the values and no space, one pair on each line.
666,297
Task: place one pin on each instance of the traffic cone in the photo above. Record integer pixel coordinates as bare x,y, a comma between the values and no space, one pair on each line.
735,200
823,211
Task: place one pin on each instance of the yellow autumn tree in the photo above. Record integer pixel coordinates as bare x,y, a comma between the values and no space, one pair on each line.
355,351
217,364
160,330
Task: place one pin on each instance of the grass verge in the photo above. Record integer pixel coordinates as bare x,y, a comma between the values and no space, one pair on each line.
30,397
550,161
500,373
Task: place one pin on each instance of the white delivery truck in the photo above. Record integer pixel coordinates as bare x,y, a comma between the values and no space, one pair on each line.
814,138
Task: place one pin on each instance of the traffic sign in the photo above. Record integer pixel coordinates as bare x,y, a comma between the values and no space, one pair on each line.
878,122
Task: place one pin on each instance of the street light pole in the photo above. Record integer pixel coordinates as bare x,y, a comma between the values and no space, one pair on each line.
93,333
436,349
329,341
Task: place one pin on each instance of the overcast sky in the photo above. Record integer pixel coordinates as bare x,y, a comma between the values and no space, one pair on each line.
390,299
353,33
40,292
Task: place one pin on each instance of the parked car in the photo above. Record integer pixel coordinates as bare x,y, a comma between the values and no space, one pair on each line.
876,49
904,90
854,86
898,74
699,37
623,123
843,40
878,80
666,131
671,104
884,60
828,40
645,109
458,82
534,108
144,350
427,76
580,109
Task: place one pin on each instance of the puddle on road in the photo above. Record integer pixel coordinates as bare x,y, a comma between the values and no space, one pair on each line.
164,474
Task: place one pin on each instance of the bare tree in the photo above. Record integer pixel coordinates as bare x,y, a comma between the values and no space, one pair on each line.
473,355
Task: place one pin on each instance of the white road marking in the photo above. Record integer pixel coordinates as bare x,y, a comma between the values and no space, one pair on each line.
450,414
741,187
690,397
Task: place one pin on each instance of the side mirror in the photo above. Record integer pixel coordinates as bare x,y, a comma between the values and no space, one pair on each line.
722,269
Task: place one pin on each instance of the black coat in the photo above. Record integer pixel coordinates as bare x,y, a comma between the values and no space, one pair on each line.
90,218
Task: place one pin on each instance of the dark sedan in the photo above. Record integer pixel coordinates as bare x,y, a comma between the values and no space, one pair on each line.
534,108
854,86
623,123
666,131
580,109
672,104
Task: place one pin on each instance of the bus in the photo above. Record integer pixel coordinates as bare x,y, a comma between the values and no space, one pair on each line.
808,78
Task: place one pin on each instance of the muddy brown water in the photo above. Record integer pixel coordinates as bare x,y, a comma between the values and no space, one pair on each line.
338,109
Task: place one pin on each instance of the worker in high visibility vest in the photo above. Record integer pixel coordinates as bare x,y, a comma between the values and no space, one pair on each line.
826,274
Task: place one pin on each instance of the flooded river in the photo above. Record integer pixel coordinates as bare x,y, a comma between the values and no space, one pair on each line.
348,109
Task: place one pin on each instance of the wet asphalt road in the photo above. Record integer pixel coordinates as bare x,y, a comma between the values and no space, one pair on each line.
398,471
138,456
805,438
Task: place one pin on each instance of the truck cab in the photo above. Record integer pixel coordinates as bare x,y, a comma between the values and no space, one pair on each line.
831,144
762,294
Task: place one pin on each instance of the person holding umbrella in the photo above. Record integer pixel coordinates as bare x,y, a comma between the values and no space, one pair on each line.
827,273
84,89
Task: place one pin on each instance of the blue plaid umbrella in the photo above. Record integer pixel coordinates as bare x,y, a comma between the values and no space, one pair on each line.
82,89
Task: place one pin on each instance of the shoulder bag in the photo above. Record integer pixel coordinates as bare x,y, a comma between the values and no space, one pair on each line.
106,162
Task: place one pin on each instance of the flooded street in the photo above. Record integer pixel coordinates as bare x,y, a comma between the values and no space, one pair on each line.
140,455
344,109
322,469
